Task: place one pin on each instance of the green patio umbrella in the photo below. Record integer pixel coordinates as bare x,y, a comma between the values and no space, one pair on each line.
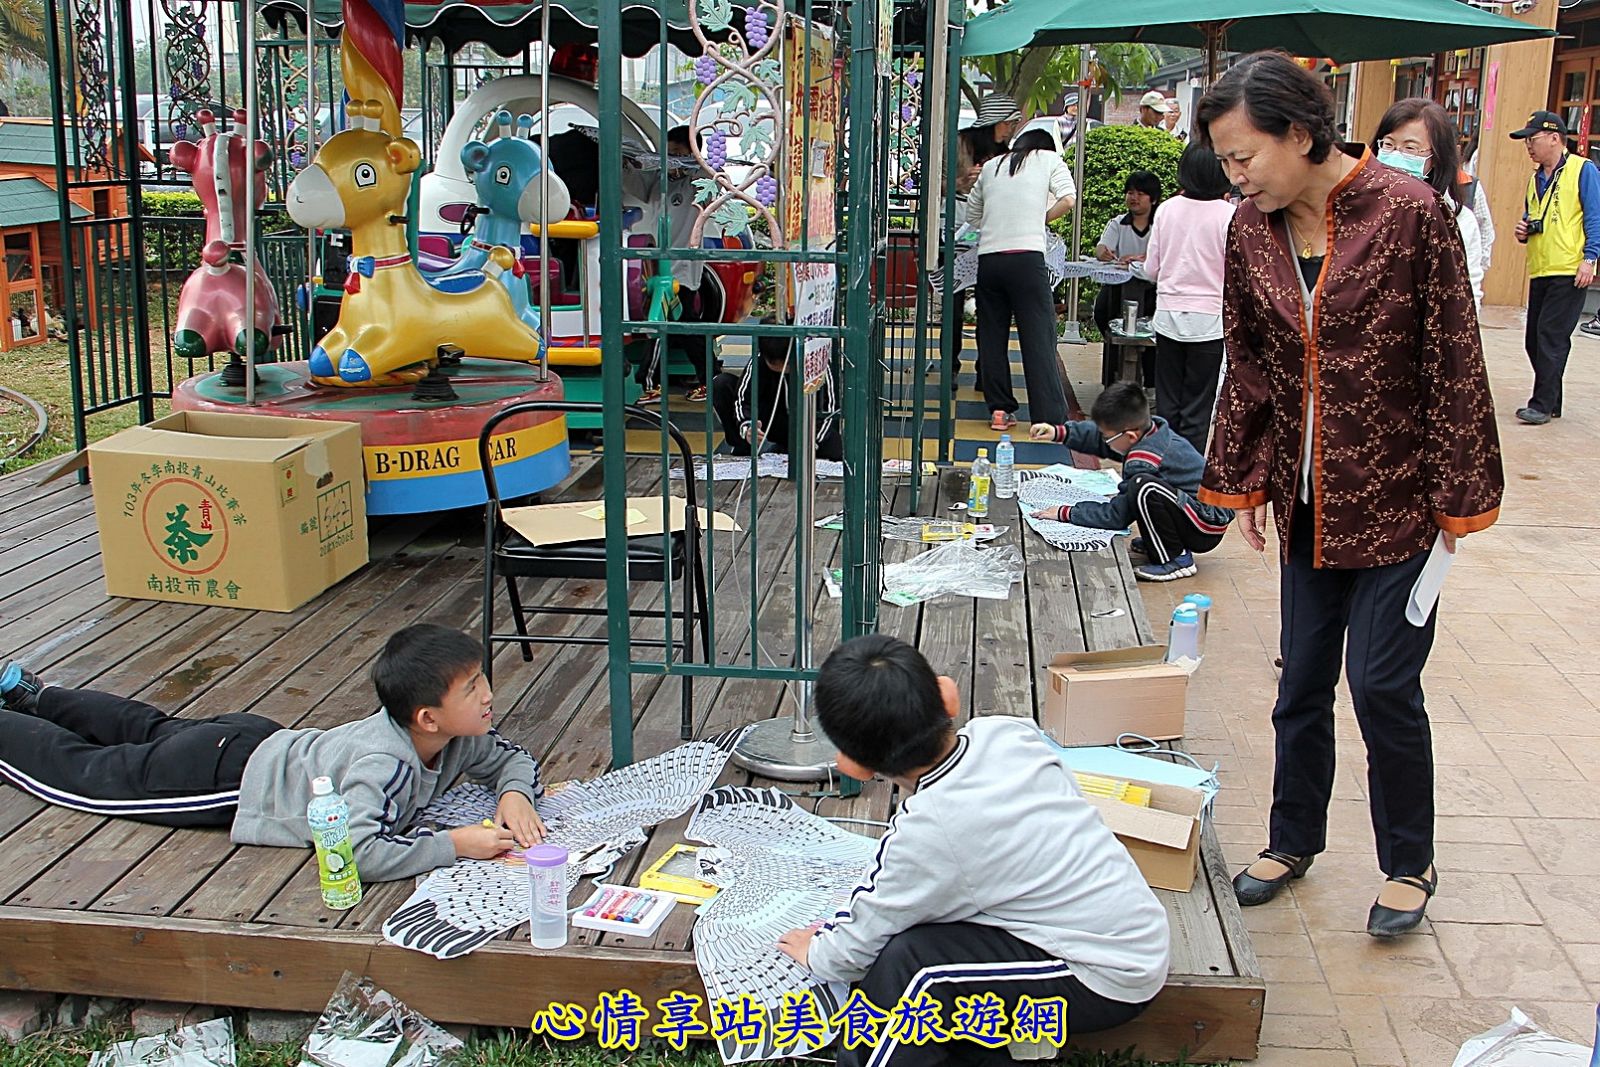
1342,30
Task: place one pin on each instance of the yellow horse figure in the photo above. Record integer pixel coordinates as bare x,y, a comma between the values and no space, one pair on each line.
392,321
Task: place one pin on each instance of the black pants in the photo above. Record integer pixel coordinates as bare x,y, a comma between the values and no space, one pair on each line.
950,960
1554,307
1016,285
724,398
112,755
1108,306
1360,612
1186,386
1168,526
701,352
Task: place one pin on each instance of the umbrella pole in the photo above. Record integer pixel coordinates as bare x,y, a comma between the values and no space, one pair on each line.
1071,331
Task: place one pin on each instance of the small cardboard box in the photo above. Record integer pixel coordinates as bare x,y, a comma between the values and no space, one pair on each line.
240,511
1094,696
1164,839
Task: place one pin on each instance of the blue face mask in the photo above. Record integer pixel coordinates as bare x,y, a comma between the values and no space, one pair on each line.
1416,166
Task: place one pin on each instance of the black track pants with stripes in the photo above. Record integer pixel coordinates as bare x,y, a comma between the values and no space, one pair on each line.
949,961
112,755
1168,529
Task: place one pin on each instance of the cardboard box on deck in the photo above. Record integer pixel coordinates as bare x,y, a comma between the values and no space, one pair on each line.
1164,839
239,511
1091,697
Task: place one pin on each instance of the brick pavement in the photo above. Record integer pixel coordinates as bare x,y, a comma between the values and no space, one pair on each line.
1513,692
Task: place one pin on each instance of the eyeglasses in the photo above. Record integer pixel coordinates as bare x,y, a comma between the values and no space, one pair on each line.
1414,151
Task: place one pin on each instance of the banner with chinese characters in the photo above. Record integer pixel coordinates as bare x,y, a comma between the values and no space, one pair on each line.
809,87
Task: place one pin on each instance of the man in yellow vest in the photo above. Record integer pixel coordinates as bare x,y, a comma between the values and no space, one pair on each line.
1560,224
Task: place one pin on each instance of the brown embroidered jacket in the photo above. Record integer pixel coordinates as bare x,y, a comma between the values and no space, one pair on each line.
1404,435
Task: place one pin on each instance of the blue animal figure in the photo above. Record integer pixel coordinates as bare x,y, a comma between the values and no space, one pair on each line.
506,174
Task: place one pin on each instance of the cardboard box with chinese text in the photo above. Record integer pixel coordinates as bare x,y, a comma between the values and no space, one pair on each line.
1164,838
1092,697
241,511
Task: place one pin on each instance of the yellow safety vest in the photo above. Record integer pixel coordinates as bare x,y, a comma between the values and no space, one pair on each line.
1558,250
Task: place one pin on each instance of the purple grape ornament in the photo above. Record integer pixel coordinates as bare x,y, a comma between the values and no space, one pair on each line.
755,27
705,69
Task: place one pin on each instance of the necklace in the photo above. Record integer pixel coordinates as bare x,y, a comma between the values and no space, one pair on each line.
1295,238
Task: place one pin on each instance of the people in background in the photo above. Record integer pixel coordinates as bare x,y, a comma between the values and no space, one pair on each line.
989,135
1356,403
755,408
1016,195
961,902
111,755
1173,117
1416,136
696,287
1184,260
1560,224
1160,475
1125,241
1152,109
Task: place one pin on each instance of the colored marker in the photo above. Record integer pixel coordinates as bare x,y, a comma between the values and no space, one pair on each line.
637,912
621,904
600,905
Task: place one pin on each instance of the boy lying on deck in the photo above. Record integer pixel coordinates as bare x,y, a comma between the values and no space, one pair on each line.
112,755
995,875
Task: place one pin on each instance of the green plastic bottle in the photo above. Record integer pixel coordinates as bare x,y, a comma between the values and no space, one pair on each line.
329,817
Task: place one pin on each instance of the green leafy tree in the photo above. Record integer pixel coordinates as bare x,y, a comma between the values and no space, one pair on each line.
22,34
1035,77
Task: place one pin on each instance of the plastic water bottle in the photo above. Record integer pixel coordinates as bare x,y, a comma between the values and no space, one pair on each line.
1005,468
329,817
978,491
1202,606
1183,635
547,890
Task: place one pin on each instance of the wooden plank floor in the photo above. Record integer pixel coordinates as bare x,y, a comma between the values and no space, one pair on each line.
109,907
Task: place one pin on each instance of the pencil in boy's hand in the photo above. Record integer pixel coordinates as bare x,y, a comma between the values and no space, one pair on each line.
1041,431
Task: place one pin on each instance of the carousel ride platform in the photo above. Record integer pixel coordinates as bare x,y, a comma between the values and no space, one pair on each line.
421,455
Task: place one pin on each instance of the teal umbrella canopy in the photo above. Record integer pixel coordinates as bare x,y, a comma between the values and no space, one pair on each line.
1342,30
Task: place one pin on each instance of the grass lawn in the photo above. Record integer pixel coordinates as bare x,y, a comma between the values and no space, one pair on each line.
44,373
506,1049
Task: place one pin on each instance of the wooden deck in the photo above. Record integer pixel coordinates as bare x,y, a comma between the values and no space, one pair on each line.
116,908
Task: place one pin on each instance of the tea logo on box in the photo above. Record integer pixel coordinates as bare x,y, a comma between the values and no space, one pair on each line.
184,525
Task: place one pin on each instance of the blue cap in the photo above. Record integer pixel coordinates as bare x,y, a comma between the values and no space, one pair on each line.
1199,600
1184,612
1005,439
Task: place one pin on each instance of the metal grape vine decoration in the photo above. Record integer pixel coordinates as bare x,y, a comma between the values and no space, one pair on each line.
737,76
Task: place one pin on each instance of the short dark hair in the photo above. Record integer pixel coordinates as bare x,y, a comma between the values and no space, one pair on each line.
1200,174
1445,166
679,133
1123,406
774,349
1144,181
418,665
1028,142
878,701
1277,94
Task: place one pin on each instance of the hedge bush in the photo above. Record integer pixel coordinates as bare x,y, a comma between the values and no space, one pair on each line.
1110,154
171,241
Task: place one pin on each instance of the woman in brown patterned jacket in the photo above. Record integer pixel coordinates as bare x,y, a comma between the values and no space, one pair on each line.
1357,404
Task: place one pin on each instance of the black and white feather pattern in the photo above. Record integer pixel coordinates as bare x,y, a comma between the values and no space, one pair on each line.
1036,491
780,868
459,908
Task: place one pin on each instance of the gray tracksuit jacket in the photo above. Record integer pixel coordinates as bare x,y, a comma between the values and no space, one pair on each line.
998,834
375,767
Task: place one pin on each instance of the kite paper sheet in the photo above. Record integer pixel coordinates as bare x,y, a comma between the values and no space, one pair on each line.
965,268
781,868
1046,491
459,908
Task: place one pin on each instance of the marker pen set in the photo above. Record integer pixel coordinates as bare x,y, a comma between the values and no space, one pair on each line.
623,909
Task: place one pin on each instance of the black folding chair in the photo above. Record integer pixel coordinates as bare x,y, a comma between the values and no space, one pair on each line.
508,554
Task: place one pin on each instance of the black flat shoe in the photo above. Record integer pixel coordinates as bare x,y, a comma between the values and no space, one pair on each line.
1392,922
1252,890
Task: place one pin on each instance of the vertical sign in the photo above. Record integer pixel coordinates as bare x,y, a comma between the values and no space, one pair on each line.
1491,97
885,38
811,87
1583,129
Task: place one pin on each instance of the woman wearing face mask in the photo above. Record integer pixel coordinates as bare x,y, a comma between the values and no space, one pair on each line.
1357,404
1417,137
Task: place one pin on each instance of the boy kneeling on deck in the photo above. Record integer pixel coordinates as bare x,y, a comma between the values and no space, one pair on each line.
995,876
111,755
1160,474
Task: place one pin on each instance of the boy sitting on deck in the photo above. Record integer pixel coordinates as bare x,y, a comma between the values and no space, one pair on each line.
111,755
995,876
1160,473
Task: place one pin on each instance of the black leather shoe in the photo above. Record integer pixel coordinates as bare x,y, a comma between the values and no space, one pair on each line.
1252,890
1532,416
1392,922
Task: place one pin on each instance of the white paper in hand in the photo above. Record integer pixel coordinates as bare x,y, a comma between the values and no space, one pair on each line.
1426,592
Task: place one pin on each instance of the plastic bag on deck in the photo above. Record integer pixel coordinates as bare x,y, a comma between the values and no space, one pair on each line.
364,1026
1517,1042
956,568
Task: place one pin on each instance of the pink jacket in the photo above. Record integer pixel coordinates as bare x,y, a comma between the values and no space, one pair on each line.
1185,255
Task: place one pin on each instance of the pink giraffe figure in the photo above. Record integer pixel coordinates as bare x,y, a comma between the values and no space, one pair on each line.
211,306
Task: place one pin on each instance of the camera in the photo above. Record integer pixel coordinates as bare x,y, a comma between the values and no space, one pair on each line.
1535,226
